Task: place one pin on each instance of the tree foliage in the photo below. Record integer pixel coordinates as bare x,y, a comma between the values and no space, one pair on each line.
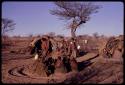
76,12
7,25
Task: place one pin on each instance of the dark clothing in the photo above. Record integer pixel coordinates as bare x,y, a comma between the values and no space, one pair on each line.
37,47
49,47
66,63
50,68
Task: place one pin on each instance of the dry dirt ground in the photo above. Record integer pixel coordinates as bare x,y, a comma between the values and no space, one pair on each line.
95,71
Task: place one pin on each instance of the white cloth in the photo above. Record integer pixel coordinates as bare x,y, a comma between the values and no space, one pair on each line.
36,57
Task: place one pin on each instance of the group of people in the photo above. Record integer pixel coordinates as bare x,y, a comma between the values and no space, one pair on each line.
47,45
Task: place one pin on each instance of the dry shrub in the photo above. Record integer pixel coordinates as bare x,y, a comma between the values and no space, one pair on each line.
6,42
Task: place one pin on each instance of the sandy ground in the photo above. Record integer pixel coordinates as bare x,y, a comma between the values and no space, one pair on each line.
97,70
14,71
100,71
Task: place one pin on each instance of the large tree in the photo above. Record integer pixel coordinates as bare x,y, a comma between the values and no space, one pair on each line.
7,25
76,12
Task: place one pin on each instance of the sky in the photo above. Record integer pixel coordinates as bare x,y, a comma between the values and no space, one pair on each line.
35,18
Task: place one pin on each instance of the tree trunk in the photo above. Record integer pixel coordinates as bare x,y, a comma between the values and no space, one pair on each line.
73,30
73,33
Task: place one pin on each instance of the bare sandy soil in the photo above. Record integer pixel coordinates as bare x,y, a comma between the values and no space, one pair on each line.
95,71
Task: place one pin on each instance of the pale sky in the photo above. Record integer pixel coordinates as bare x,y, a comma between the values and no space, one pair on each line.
35,18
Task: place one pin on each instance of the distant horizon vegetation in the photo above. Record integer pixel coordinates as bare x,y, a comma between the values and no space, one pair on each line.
35,35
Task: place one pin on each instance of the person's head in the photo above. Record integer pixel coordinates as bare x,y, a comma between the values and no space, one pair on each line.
32,43
32,46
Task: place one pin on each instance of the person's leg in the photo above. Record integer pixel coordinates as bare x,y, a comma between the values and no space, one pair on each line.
74,65
66,64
